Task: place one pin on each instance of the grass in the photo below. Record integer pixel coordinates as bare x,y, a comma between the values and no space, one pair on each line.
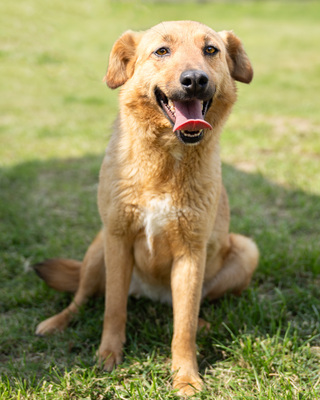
54,125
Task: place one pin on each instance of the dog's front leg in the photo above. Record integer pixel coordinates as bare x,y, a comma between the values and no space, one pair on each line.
186,284
119,265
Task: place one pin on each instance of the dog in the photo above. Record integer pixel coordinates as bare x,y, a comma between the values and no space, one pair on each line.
164,208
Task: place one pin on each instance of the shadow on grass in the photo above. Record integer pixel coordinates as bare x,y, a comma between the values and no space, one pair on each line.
49,209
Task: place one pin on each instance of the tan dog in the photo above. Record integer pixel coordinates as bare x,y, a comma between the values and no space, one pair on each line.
164,209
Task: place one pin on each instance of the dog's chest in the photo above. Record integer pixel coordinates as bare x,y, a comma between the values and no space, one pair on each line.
156,215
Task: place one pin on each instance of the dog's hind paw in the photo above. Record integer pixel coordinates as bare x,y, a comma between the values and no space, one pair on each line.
57,323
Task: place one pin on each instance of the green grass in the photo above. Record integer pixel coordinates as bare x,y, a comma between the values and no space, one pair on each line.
55,121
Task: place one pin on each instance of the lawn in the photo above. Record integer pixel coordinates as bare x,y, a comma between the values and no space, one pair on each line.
55,121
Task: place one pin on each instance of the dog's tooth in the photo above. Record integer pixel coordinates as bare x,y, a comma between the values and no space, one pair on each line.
186,133
171,105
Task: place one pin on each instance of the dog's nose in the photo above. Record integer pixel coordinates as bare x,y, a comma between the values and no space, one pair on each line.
194,82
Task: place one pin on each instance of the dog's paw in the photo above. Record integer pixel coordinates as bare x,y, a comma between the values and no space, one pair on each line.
108,359
57,323
187,385
203,326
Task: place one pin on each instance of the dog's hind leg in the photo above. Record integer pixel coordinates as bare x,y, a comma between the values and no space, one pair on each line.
237,269
86,278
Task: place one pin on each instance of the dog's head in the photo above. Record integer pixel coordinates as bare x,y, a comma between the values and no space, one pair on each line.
181,74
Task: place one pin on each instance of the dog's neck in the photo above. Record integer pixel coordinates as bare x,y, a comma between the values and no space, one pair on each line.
150,154
150,132
159,159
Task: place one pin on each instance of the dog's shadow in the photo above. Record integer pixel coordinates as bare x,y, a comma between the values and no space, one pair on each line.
49,210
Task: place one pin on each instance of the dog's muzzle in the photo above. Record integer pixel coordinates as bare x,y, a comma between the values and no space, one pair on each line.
187,109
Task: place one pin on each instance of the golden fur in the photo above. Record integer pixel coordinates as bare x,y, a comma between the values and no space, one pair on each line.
164,209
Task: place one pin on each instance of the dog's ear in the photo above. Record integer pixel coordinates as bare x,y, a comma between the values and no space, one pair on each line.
238,61
122,59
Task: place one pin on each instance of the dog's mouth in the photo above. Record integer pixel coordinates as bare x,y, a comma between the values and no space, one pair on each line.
187,117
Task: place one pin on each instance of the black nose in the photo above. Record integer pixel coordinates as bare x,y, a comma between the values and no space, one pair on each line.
194,82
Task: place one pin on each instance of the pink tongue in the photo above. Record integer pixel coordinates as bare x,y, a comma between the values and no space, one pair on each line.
189,116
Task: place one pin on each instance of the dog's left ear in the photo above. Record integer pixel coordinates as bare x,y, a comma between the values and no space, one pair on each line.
122,59
238,61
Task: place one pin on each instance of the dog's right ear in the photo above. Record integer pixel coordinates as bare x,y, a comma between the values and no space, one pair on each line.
122,59
238,61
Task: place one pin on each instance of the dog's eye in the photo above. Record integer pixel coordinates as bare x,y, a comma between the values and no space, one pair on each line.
163,51
210,50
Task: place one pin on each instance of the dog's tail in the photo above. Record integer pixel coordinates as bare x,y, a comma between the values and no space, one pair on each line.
60,274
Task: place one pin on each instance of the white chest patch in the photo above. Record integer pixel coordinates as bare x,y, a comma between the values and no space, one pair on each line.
157,214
